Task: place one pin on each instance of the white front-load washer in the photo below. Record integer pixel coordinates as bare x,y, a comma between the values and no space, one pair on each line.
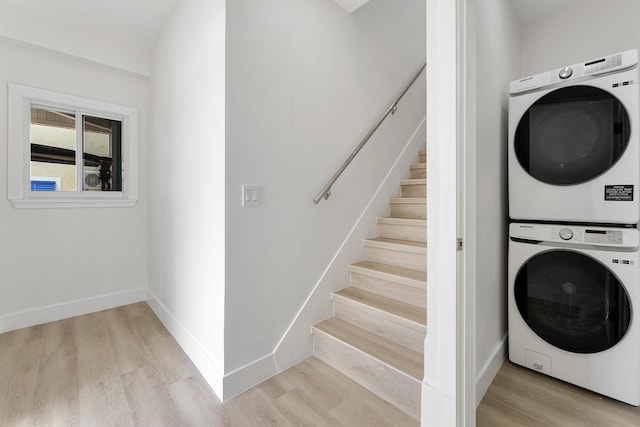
574,143
573,292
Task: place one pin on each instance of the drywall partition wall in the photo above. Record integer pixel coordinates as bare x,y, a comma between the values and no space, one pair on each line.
498,62
186,173
305,81
583,31
443,386
57,263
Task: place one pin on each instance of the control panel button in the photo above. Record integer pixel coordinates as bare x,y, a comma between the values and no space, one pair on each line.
565,73
566,234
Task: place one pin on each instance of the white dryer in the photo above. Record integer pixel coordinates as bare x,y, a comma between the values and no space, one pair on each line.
574,143
571,300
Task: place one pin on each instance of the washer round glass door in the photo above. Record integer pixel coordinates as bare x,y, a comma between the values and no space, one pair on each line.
572,135
572,301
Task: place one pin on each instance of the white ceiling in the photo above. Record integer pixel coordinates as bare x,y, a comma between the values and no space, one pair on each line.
117,33
529,11
121,33
141,20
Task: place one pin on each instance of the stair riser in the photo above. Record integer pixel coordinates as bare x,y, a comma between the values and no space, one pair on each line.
390,289
397,330
418,173
399,258
409,210
403,232
395,387
423,158
416,190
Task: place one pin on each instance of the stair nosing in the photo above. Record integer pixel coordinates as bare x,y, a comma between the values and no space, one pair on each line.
397,245
413,222
399,349
416,325
413,181
408,200
368,268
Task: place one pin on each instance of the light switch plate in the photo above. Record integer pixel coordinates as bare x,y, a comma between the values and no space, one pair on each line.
250,195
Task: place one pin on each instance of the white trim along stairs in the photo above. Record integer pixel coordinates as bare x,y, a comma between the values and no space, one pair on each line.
376,336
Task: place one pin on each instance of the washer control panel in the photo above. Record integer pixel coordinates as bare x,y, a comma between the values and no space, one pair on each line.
578,235
607,237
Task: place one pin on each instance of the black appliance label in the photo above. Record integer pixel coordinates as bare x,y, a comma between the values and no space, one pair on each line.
618,193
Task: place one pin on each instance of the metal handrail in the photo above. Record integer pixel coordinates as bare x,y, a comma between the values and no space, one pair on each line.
326,190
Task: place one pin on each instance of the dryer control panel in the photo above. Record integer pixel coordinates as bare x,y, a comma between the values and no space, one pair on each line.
608,64
576,235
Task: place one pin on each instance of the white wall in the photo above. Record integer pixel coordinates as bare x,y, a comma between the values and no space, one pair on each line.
102,32
57,263
587,30
498,62
305,81
186,174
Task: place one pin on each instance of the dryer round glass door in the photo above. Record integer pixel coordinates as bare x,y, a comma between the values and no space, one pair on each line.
572,135
572,301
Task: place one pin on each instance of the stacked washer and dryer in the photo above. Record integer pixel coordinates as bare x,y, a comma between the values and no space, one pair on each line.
574,190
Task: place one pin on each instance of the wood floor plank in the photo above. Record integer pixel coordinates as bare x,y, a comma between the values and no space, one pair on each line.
128,346
19,367
521,397
149,399
323,390
303,410
121,367
104,404
197,403
170,360
57,335
254,409
357,410
57,387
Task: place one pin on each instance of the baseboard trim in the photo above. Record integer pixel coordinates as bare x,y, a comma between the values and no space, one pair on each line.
490,369
200,358
248,376
79,307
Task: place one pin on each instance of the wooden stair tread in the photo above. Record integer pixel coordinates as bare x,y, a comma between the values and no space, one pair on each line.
408,200
409,312
390,353
418,166
413,181
391,272
403,221
422,152
395,244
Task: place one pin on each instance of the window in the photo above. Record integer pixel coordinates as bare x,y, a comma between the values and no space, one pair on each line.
67,151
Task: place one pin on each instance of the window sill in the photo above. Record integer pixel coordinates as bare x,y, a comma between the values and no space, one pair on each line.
72,203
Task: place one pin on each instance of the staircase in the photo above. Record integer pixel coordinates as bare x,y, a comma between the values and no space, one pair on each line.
376,336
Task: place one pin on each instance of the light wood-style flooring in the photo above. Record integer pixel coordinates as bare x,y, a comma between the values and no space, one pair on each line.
521,397
121,367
